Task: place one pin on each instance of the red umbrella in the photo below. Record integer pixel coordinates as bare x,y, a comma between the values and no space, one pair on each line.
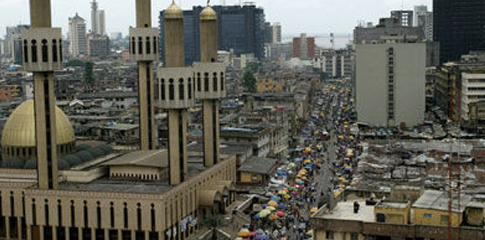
280,214
252,234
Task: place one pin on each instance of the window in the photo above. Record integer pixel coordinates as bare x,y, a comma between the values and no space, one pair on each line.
171,90
140,45
427,215
444,219
222,81
45,53
214,82
163,89
155,45
329,235
206,82
34,51
199,88
181,89
26,52
190,88
148,45
380,217
354,236
60,50
133,45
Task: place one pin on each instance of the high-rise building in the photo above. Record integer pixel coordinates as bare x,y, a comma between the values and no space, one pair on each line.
98,46
387,27
77,36
240,28
424,20
13,43
94,17
272,33
304,47
336,63
390,82
98,23
458,27
405,18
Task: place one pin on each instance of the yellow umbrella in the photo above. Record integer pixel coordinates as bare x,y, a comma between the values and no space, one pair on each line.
341,137
307,161
314,210
273,216
287,196
281,192
243,233
272,203
341,186
304,178
341,179
351,137
310,233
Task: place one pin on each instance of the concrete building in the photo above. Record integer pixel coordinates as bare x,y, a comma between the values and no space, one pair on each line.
390,89
98,46
386,27
359,218
424,20
98,20
77,36
259,137
13,43
279,51
405,18
336,63
304,47
272,33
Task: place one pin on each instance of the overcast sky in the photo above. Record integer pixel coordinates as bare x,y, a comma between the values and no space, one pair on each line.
296,16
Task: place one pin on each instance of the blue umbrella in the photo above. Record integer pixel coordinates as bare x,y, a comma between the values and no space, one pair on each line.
261,237
255,217
298,159
281,173
308,167
281,206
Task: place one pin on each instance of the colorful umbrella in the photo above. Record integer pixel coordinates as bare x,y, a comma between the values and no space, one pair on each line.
314,210
287,196
280,214
270,209
252,234
273,216
281,206
272,203
243,233
261,215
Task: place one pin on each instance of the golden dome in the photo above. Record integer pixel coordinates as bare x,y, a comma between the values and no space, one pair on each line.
208,14
19,131
173,12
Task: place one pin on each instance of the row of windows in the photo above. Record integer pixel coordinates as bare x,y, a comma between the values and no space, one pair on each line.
22,152
476,96
148,45
190,89
56,53
390,82
476,89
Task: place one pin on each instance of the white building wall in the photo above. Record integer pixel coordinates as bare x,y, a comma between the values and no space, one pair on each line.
472,90
372,83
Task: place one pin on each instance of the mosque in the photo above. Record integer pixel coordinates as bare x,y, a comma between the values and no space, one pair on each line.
150,194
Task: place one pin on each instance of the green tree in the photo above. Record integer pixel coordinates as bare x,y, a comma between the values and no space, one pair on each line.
212,221
88,73
253,67
249,82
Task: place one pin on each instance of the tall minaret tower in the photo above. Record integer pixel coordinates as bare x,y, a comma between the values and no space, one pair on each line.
42,54
176,92
210,84
144,49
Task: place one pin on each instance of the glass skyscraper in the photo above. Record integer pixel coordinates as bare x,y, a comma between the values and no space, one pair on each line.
240,28
459,27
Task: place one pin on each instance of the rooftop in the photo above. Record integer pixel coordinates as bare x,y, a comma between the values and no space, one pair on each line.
258,165
345,211
438,200
147,158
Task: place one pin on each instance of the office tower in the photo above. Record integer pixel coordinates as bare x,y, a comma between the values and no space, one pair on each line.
94,17
98,46
98,23
304,47
101,23
458,27
390,82
424,20
77,36
336,63
240,28
13,42
144,49
177,94
405,18
42,55
210,84
272,33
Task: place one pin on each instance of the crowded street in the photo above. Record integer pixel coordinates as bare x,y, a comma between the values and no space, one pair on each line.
318,168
